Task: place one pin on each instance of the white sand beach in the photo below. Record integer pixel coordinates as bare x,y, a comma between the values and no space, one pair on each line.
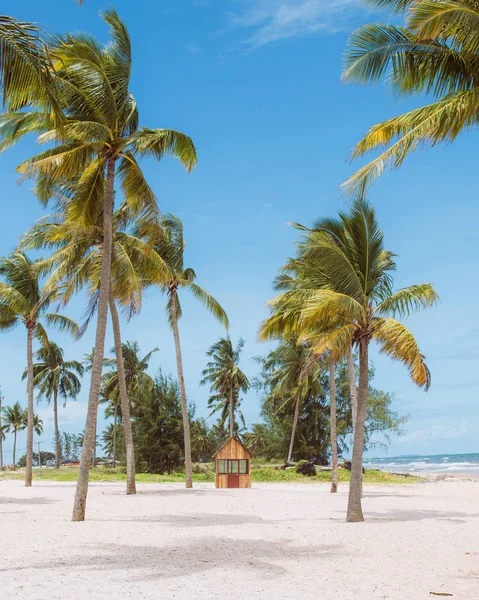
274,541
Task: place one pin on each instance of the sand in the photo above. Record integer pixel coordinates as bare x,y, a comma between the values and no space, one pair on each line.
275,541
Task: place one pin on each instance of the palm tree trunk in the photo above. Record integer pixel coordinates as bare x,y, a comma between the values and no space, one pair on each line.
125,402
57,432
334,439
114,435
30,409
352,388
232,413
79,506
14,449
293,431
181,383
355,512
353,392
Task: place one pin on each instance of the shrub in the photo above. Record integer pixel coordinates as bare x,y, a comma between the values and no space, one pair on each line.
304,467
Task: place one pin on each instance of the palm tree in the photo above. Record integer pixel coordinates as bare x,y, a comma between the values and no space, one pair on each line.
341,294
293,369
53,377
75,265
25,67
170,245
125,383
23,301
435,53
136,377
100,141
15,420
334,438
226,380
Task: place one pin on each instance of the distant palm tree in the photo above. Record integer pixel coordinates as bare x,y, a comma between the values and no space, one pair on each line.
22,300
436,54
293,369
340,293
15,418
53,377
226,380
136,376
170,245
99,143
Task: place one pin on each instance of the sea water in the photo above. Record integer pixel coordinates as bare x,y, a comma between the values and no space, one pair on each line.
438,463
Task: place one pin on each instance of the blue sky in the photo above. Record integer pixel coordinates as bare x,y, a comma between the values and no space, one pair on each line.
256,83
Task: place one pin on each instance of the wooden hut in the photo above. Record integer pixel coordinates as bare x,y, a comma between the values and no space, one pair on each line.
233,465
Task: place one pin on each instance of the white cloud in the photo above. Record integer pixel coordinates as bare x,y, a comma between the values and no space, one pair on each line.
437,433
272,20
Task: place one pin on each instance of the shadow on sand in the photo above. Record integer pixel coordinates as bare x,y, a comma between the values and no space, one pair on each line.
196,556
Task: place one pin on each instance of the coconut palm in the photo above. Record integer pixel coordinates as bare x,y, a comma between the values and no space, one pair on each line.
25,68
136,377
226,380
436,53
76,264
99,143
15,418
169,244
341,294
22,300
55,377
293,368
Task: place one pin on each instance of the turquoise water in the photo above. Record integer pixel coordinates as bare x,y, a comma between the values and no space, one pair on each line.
439,463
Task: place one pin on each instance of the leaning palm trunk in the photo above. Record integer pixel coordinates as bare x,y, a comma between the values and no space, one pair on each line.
89,437
334,440
293,432
181,383
28,469
232,413
124,400
355,512
57,433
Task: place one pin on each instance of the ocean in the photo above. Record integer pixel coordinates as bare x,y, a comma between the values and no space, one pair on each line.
438,463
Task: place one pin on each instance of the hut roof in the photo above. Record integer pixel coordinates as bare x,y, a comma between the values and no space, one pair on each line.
228,441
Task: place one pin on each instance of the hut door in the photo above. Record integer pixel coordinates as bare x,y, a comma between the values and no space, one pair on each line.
233,474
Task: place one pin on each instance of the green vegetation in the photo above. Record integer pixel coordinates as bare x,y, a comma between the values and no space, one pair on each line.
205,473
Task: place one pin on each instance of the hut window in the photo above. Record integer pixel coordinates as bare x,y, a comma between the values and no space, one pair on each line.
243,467
222,467
234,466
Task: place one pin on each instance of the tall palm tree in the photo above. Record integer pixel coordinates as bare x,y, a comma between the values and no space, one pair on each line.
15,418
293,369
341,294
98,144
170,245
226,380
22,300
54,377
436,53
75,264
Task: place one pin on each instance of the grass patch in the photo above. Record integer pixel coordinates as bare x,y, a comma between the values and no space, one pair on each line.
260,473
